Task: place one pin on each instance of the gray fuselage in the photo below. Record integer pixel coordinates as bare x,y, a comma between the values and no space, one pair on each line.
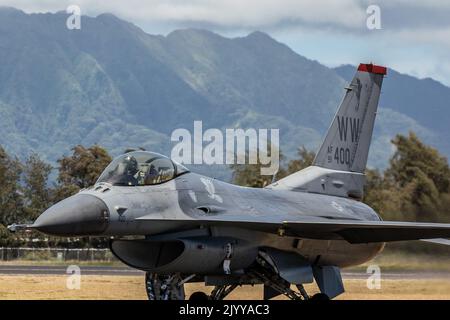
196,197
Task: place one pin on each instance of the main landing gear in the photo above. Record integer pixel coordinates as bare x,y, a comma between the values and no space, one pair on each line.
171,287
274,285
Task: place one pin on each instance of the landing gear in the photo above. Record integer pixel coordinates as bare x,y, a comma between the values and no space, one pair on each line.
171,286
220,292
199,296
164,287
265,273
319,297
303,292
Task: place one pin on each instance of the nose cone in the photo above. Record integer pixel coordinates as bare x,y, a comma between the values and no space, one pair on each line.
79,215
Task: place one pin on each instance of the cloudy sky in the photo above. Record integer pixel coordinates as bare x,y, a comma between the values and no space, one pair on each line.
414,37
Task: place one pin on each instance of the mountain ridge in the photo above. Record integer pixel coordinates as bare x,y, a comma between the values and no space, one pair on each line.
113,84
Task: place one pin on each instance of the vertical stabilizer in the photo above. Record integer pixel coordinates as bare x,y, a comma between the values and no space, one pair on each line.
339,166
346,145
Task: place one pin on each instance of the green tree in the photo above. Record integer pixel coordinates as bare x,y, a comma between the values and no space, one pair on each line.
77,171
415,186
11,196
9,239
423,175
80,170
305,159
249,175
382,196
413,158
36,191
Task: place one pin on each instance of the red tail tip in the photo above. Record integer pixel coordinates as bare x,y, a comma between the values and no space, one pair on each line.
369,67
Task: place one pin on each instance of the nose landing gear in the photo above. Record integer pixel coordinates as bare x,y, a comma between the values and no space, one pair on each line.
164,287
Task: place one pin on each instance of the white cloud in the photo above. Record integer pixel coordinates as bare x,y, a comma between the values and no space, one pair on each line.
346,14
440,36
230,13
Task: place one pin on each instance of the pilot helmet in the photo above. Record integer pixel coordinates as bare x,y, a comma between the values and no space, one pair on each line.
131,165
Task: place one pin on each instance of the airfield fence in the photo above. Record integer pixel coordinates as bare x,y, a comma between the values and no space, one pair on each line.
56,254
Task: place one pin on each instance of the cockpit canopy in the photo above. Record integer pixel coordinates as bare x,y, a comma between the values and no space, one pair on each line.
141,168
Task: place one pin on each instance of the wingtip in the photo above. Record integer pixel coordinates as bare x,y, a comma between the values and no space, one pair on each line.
445,242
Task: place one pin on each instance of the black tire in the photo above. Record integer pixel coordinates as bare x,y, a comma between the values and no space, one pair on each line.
154,289
319,297
199,296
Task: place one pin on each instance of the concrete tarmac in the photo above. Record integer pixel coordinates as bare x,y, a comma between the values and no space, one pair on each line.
126,271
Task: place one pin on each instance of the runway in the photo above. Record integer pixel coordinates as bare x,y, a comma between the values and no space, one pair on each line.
61,270
126,271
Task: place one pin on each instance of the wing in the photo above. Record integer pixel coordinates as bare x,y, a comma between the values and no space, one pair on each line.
377,231
352,231
445,242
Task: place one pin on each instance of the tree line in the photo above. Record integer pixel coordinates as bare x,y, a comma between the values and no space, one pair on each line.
414,187
26,192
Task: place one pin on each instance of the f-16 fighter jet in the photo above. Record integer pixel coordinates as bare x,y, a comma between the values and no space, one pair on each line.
181,227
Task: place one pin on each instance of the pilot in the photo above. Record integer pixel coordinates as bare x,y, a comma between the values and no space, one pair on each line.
152,175
131,169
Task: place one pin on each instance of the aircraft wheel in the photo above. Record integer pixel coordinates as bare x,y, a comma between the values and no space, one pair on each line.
199,296
319,297
163,287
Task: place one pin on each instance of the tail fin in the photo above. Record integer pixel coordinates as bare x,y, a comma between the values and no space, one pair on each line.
338,168
346,145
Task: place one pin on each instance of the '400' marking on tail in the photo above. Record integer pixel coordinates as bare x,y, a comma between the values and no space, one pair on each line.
343,124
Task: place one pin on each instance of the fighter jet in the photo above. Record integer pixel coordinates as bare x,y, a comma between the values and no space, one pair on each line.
181,227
